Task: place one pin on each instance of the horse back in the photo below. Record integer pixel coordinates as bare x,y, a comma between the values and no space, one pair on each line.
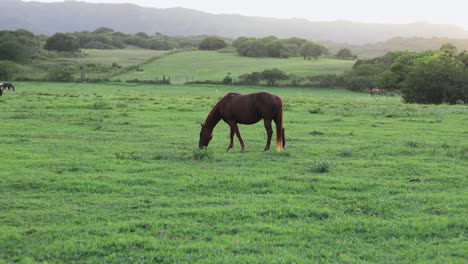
250,108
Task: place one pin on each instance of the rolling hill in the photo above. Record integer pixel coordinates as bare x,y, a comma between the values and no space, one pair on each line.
71,16
185,66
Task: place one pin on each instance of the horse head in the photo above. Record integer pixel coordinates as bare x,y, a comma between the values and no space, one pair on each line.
205,136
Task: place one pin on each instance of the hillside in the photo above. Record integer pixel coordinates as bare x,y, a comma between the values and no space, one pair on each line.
185,66
397,43
71,16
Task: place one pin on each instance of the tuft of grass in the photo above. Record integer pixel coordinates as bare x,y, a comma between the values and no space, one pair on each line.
202,154
346,152
101,105
321,166
412,144
316,133
129,156
316,110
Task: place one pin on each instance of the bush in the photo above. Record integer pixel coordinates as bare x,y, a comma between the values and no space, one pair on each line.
8,70
435,79
250,78
61,74
13,51
274,75
62,42
228,79
212,43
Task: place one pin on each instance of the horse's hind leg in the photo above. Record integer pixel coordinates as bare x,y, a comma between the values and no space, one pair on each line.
269,131
283,139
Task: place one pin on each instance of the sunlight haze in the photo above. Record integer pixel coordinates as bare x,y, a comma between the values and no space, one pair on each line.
366,11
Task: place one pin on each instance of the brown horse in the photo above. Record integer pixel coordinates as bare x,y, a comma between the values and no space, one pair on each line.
376,91
247,109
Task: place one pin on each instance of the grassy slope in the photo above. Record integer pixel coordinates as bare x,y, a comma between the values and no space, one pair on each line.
212,65
123,57
106,173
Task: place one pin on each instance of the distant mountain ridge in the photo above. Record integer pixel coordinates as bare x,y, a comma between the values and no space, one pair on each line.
72,16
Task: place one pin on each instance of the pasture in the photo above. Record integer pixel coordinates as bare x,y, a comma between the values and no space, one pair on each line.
101,59
185,66
123,57
100,173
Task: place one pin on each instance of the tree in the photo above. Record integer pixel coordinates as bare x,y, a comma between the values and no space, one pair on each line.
251,78
449,47
62,42
228,79
277,49
212,43
344,53
8,70
463,57
61,74
395,75
274,75
436,78
310,49
13,51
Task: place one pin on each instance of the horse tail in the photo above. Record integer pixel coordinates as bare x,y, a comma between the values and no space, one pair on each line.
279,125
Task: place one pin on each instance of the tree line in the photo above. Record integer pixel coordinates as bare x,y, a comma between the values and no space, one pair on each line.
105,38
278,48
429,77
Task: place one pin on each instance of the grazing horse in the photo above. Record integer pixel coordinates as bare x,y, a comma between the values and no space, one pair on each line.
376,91
246,109
7,85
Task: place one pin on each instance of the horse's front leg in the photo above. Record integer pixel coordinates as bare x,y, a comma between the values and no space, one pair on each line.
269,131
231,144
236,130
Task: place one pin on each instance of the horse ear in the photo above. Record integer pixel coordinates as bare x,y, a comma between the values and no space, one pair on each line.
202,125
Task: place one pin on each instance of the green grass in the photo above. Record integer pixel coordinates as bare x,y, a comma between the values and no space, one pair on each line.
104,59
123,57
111,173
212,65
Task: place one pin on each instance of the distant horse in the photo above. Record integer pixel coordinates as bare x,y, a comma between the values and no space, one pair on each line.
376,91
7,85
247,109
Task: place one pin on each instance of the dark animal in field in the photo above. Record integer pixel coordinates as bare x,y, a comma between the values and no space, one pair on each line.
376,91
7,85
247,109
1,91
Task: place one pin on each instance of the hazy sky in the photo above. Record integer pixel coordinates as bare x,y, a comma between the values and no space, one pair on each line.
376,11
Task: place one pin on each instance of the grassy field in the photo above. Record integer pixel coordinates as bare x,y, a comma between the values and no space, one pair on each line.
131,56
99,173
123,57
186,66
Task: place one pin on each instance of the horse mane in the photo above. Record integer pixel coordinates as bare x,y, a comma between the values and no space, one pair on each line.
212,116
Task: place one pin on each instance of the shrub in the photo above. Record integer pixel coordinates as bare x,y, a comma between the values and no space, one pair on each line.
212,43
274,75
62,42
435,79
8,70
227,79
61,74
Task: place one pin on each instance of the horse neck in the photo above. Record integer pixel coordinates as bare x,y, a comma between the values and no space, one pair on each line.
213,118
